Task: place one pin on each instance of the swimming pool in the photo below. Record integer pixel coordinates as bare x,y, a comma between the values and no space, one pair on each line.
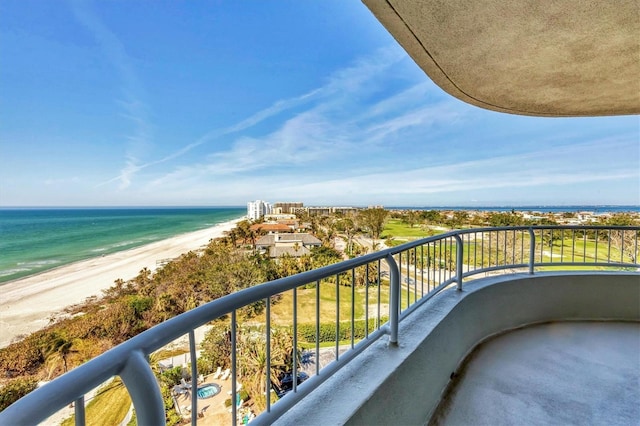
207,391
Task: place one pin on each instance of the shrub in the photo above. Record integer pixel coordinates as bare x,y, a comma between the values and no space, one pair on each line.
327,332
16,389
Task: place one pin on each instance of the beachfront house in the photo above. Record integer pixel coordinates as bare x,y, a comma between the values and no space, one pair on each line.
291,244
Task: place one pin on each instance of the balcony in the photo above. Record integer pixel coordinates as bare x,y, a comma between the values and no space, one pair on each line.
497,290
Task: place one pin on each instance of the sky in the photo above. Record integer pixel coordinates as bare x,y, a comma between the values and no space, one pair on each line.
216,103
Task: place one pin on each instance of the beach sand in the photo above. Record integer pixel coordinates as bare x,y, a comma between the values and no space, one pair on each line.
28,304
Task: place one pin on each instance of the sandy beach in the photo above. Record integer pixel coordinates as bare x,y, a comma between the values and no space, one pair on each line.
27,304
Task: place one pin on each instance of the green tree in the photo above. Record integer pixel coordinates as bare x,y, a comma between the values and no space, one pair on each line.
216,347
348,227
433,217
411,217
373,221
252,361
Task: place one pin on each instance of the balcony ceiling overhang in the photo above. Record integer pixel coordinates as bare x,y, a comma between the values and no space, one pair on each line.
537,57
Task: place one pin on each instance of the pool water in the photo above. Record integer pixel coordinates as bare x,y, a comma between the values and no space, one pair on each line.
207,391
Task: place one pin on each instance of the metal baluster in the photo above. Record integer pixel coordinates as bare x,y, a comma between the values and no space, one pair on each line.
429,257
394,302
522,245
366,301
415,275
78,409
468,251
482,250
439,262
505,247
422,271
408,280
489,249
379,285
295,339
317,326
475,251
268,350
234,370
353,302
337,316
194,377
541,245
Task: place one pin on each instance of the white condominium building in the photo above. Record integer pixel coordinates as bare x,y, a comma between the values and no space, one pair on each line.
257,209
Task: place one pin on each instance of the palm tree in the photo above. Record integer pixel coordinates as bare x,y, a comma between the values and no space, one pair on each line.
56,351
252,362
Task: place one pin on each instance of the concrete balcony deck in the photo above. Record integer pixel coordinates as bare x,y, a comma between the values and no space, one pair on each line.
554,348
571,373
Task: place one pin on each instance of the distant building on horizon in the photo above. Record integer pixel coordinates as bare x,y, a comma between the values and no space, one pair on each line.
286,208
257,209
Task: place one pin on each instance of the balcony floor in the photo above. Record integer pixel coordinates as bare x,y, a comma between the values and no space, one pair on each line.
569,373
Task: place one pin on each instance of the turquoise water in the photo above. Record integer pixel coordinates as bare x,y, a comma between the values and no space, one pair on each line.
209,390
36,240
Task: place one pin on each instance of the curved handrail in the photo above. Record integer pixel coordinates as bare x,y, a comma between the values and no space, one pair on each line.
129,359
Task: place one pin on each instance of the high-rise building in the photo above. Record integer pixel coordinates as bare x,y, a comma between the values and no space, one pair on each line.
257,209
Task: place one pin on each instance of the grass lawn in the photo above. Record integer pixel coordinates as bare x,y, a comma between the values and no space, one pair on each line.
282,312
108,407
397,229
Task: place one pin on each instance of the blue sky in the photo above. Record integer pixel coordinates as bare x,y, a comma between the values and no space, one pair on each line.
218,103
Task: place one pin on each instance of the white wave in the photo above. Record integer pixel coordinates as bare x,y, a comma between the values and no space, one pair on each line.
38,263
13,271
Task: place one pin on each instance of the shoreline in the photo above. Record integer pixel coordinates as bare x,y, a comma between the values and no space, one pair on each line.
27,304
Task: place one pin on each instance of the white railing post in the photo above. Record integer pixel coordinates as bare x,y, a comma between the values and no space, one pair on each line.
144,390
532,249
459,257
394,302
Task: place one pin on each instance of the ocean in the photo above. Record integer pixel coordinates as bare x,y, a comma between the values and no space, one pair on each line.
39,239
36,240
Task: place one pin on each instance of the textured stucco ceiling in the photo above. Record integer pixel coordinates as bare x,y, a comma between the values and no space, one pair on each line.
537,57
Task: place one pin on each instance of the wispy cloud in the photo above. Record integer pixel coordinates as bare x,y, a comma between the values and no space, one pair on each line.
338,117
344,82
533,169
61,181
132,105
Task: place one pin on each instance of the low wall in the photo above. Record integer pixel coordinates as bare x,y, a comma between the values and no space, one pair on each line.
404,384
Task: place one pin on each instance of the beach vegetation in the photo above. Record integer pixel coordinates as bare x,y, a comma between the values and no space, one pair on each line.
15,389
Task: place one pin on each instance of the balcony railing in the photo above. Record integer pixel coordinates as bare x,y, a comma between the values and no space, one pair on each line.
390,283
